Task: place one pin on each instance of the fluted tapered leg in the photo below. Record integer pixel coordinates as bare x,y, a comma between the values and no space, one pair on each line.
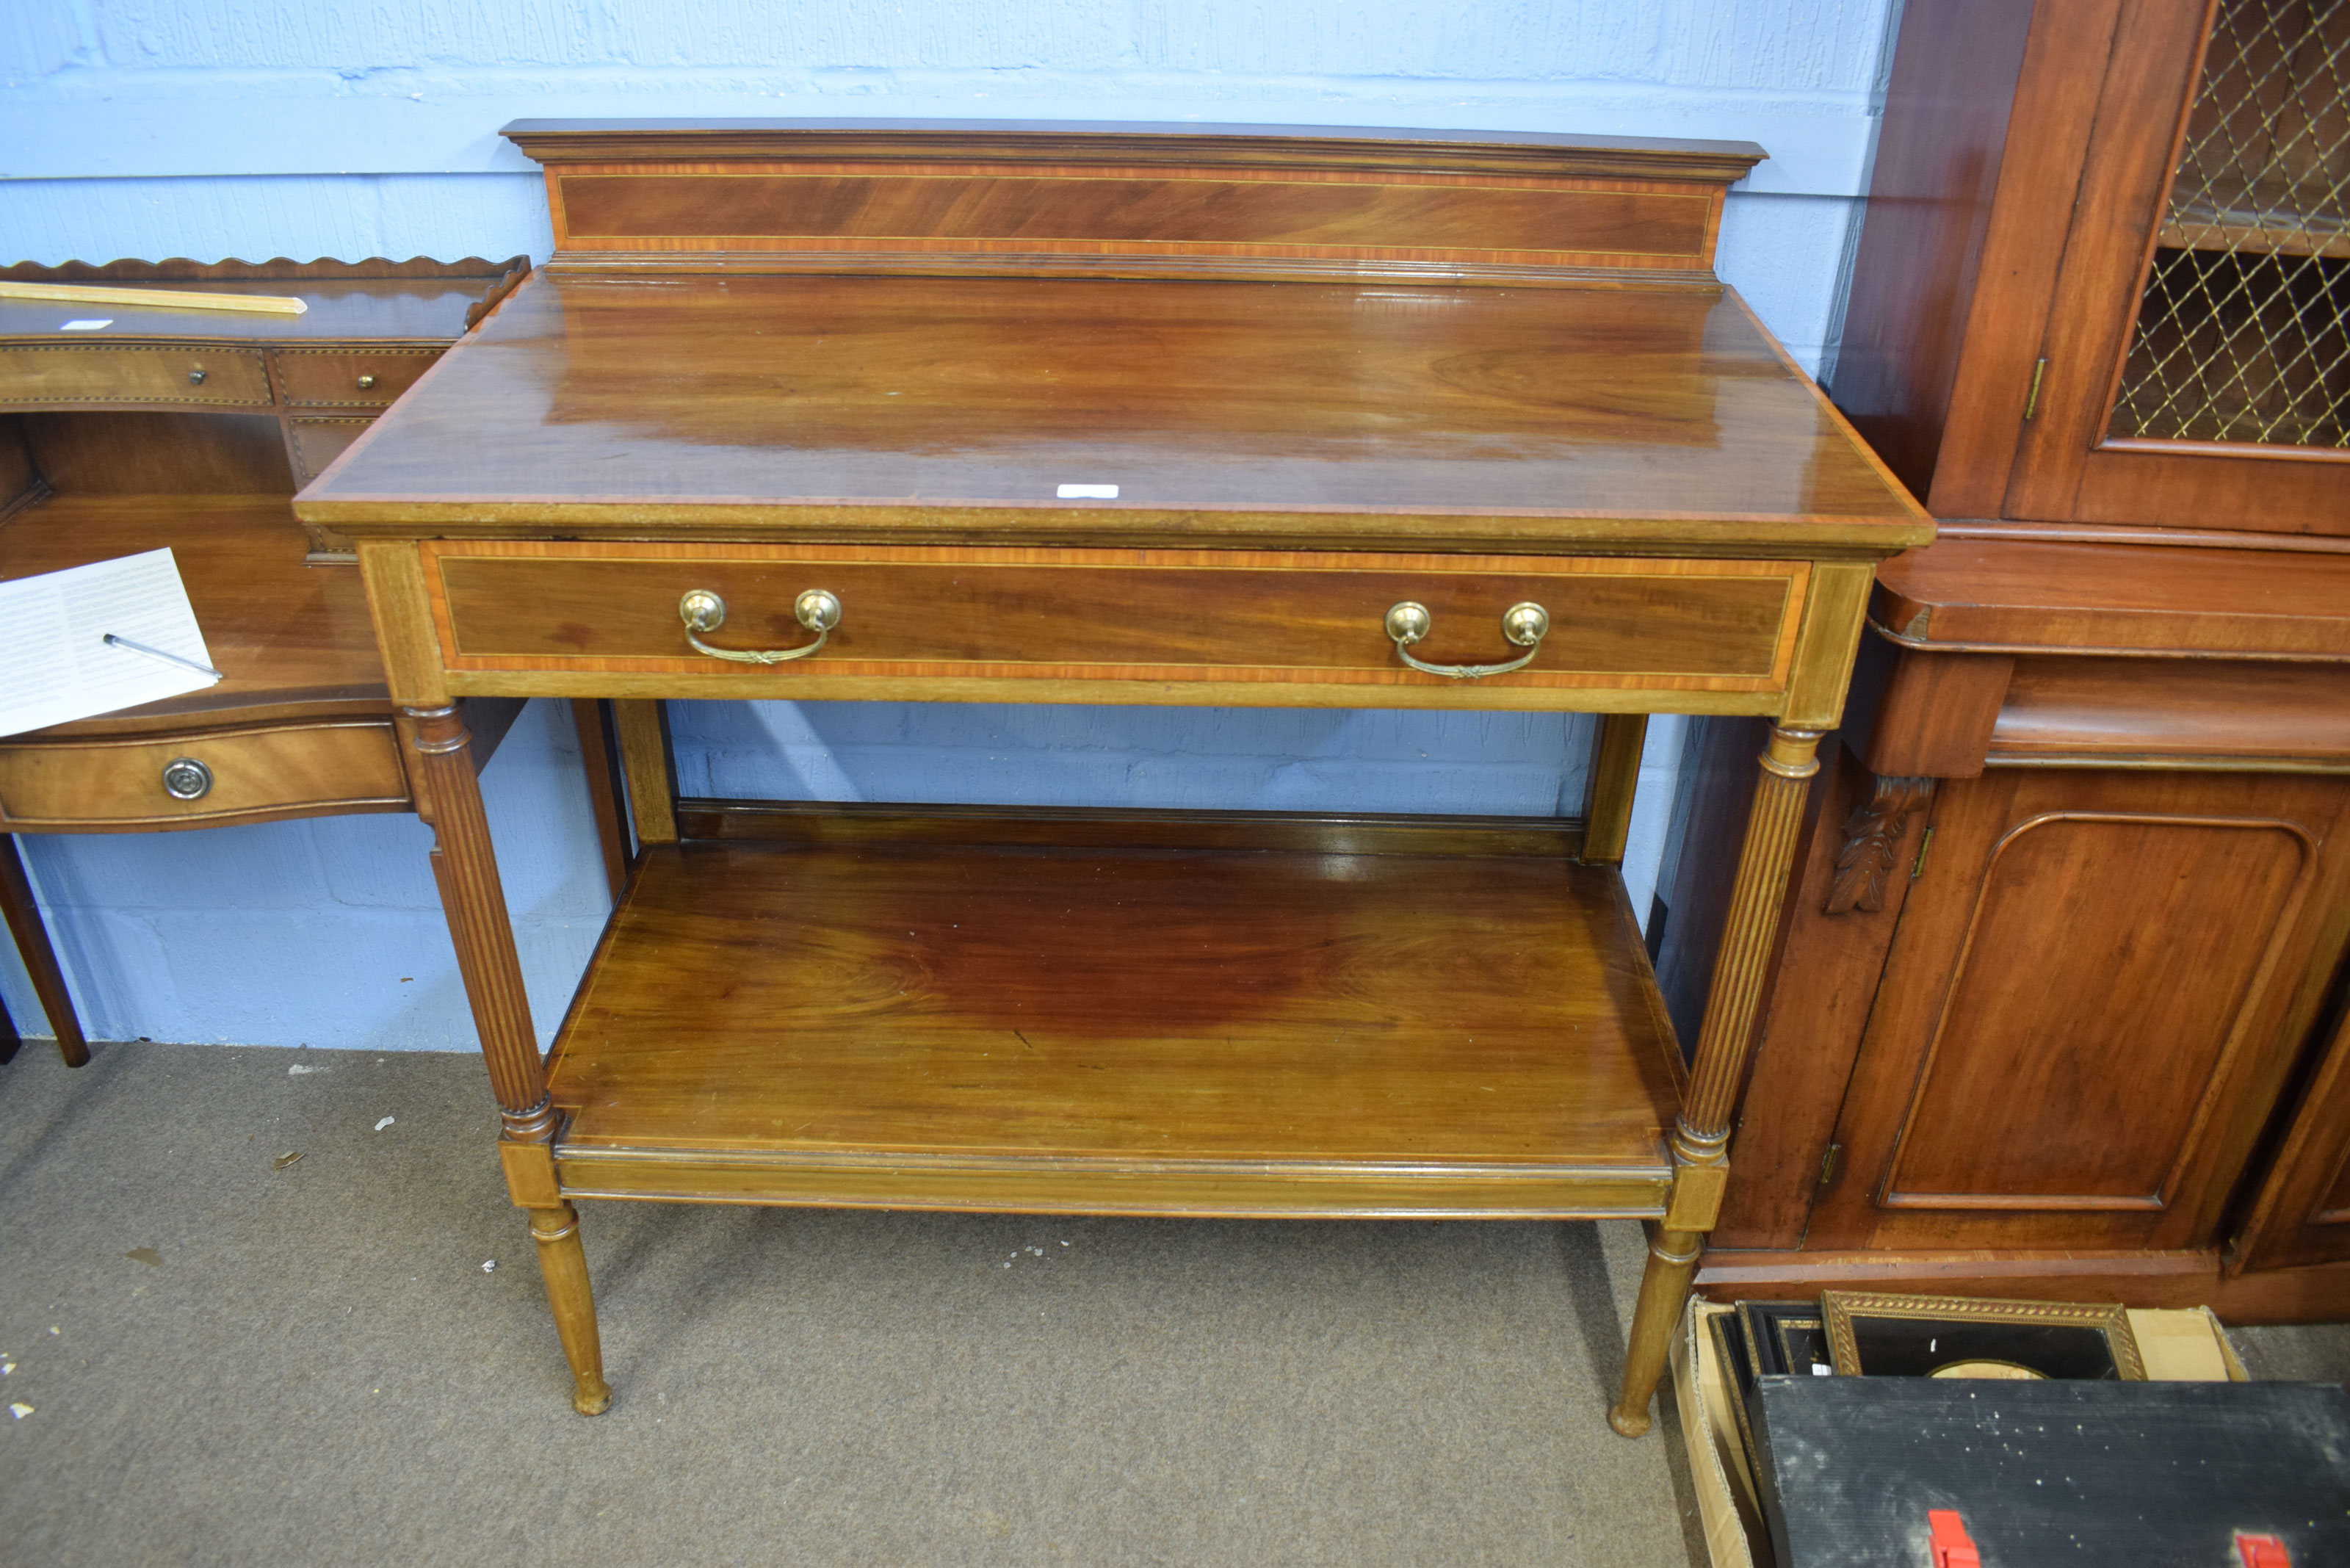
1701,1136
475,903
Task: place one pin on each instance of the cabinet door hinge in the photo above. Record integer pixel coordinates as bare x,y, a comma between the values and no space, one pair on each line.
1925,842
1828,1163
2031,401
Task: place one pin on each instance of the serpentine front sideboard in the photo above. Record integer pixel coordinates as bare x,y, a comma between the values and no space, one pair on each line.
153,424
958,412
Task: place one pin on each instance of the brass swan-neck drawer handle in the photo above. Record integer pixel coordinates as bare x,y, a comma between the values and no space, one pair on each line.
1524,624
702,611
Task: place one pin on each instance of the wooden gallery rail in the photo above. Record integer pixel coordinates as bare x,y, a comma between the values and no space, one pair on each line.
1120,415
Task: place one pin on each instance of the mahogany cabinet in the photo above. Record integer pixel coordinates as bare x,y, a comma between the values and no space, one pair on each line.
2059,1005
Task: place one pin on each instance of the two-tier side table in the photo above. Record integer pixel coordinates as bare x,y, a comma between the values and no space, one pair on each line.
957,412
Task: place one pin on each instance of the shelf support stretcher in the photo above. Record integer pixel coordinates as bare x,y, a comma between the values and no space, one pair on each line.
1702,1137
466,868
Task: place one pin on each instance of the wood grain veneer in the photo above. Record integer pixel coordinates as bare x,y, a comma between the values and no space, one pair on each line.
143,451
964,217
262,774
807,822
2016,595
85,374
315,378
317,442
2078,1133
2056,906
646,763
2270,716
908,411
1153,615
947,1026
2301,1214
1195,201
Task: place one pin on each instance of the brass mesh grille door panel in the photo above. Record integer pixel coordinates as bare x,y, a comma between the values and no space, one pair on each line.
2241,334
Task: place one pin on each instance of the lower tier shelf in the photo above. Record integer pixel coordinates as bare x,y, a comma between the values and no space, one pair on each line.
1090,1016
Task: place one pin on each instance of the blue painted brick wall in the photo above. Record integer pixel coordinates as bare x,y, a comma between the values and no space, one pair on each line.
218,128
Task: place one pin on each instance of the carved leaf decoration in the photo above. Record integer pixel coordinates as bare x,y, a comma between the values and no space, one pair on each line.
1868,854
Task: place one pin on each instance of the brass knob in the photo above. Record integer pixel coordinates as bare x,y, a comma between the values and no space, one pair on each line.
1525,623
366,383
817,610
195,378
702,610
185,778
1408,622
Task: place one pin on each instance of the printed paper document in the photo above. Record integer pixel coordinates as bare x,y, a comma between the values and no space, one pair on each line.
55,664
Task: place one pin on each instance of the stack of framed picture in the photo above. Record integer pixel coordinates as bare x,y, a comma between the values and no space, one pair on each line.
2005,1417
1851,1334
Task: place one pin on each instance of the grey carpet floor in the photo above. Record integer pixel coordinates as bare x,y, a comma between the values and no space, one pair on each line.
229,1363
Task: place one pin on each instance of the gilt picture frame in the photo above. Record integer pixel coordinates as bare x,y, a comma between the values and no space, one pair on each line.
1960,1336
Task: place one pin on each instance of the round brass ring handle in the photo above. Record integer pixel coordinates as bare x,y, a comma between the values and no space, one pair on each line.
185,778
1524,623
702,611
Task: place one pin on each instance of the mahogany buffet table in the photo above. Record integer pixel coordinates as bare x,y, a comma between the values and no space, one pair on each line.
1128,414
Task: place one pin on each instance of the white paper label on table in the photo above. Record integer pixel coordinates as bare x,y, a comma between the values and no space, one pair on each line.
55,664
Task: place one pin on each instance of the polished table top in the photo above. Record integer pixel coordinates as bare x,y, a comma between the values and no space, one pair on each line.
909,407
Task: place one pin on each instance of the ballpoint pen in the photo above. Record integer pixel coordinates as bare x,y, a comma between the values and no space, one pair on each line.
113,641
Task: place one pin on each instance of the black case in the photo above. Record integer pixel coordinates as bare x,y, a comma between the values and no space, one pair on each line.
2086,1474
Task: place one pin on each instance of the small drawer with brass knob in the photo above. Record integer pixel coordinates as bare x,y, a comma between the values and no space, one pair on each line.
325,378
250,775
114,375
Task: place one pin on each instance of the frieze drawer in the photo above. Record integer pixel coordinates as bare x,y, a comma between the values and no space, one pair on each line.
750,613
294,769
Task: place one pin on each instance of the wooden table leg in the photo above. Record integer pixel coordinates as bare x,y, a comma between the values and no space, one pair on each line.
1703,1136
600,759
24,916
564,1266
471,896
